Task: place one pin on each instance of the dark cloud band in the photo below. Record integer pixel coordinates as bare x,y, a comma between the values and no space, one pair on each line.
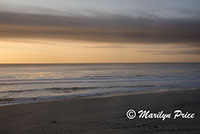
113,28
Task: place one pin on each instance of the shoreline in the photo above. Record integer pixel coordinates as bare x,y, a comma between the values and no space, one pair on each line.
103,115
63,98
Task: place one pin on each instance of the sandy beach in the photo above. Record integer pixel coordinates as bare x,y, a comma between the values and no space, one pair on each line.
103,115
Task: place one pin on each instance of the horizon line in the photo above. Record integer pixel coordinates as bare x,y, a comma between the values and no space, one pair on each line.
95,63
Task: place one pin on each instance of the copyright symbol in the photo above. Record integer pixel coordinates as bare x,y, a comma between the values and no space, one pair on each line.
131,114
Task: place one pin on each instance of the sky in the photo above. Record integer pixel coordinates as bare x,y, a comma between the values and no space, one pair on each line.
99,31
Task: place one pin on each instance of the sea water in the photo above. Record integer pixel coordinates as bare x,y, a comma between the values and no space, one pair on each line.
25,83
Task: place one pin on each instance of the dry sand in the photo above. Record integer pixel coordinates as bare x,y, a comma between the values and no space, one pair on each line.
105,115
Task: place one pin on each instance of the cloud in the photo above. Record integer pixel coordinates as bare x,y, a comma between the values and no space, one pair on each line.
109,28
172,51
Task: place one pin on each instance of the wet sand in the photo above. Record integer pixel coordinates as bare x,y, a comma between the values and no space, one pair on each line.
103,115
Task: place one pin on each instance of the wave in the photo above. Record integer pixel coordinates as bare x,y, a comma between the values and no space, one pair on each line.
94,80
75,88
25,100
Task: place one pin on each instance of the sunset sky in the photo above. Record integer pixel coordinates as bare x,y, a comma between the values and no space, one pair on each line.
96,31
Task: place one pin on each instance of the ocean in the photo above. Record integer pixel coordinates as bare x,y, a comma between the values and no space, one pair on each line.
28,83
